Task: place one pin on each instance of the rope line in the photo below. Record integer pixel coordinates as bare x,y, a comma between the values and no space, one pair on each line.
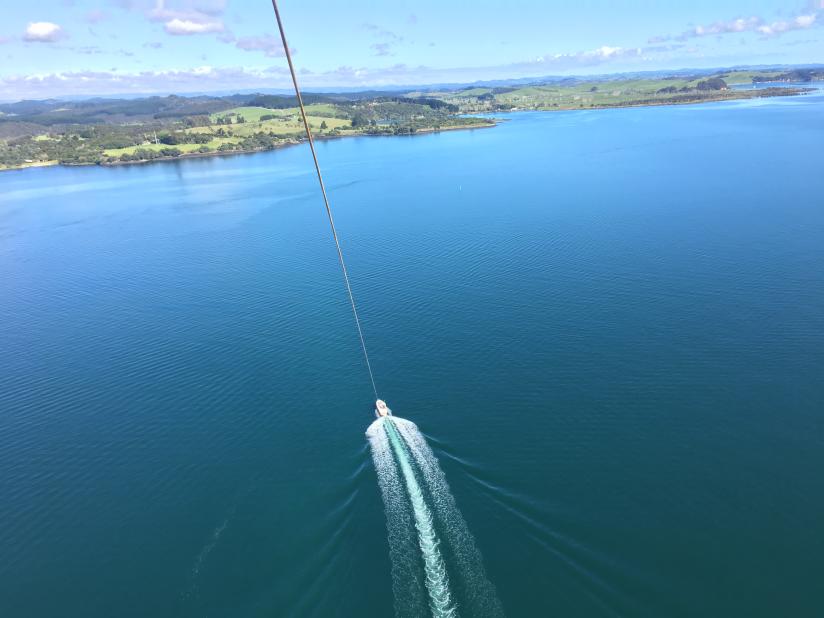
325,198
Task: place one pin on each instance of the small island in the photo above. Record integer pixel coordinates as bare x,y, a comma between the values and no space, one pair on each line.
125,131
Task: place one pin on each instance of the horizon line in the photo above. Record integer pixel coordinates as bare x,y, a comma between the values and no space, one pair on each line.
456,85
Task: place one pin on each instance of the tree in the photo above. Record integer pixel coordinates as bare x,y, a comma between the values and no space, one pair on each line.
144,154
714,83
323,126
116,141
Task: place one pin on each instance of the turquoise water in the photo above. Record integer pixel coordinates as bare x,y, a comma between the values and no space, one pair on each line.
609,325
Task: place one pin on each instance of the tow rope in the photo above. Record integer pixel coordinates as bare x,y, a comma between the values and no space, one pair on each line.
325,197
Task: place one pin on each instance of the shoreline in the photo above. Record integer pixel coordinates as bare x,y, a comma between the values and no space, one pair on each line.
769,92
798,93
772,92
215,153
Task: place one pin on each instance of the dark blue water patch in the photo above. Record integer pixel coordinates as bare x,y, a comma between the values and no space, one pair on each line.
607,323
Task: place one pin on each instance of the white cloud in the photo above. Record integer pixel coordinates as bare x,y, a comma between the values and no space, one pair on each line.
177,26
197,79
802,22
268,44
210,78
610,52
742,24
591,57
189,17
752,24
43,32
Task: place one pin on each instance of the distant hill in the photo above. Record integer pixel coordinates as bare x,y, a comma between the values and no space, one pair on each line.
794,76
100,110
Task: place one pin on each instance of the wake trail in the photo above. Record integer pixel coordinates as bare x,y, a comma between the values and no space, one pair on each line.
437,581
435,563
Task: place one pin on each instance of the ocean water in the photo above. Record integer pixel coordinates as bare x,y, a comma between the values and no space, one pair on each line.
607,325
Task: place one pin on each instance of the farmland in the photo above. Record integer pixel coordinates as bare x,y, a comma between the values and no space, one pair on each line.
115,131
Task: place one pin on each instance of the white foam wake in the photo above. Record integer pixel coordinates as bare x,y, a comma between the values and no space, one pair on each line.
435,562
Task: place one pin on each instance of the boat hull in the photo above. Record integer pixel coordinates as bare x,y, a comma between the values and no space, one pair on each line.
381,409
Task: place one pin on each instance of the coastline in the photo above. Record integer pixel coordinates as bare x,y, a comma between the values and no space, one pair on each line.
729,95
795,92
215,153
763,93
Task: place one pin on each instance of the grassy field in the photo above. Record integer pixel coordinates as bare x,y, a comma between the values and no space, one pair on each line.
745,77
575,94
286,127
589,93
213,144
253,114
288,121
25,165
475,92
287,124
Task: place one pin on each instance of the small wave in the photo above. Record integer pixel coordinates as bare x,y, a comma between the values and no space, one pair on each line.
214,538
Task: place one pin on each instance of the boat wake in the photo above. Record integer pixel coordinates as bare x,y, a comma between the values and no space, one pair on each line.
436,567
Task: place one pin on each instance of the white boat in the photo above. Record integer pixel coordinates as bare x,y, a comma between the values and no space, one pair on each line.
381,409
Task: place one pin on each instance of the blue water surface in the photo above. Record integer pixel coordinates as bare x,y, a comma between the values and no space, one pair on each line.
609,324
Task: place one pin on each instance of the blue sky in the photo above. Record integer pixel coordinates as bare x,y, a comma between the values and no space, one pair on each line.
80,47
